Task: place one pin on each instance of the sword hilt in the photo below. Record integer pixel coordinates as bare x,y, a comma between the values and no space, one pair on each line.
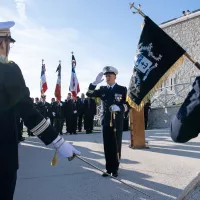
71,158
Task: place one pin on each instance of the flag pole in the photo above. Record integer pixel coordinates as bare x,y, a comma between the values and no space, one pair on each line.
192,60
60,78
138,10
42,93
137,129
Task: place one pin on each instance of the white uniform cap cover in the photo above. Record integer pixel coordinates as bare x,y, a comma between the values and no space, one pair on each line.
5,30
109,69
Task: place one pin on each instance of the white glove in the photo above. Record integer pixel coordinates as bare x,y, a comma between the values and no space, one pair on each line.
65,149
53,113
114,108
60,104
75,112
98,79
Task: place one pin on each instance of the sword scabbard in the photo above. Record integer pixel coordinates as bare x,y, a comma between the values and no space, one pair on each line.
111,124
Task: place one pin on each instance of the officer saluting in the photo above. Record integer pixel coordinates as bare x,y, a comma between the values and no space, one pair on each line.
113,97
15,99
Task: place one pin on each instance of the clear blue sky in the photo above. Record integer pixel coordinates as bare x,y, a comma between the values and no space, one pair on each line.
107,31
91,17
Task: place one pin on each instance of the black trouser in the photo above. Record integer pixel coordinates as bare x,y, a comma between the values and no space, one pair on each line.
69,121
125,127
66,124
58,125
112,146
146,120
20,131
52,120
74,123
80,119
88,122
7,185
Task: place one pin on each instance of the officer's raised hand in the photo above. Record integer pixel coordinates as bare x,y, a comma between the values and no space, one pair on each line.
64,148
98,79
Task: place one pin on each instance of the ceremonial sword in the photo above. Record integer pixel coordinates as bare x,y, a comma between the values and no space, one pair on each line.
107,173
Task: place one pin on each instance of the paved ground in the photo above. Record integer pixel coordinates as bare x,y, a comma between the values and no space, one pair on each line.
161,171
195,194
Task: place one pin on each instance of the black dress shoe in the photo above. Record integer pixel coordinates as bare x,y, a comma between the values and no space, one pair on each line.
22,139
105,174
115,174
89,131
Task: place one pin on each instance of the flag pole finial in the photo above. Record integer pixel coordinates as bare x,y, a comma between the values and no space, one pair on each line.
42,61
72,52
138,10
59,61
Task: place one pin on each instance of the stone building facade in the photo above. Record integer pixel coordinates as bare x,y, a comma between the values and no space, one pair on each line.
185,31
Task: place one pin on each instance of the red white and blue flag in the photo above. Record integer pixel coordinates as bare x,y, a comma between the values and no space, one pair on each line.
43,82
74,85
58,84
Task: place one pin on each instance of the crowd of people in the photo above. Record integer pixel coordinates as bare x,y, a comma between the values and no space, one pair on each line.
76,112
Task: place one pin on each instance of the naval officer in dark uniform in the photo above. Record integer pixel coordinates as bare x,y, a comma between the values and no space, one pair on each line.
59,116
44,107
52,112
113,97
15,102
90,110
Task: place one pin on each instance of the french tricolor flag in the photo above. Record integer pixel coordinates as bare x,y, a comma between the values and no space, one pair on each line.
58,84
43,82
74,84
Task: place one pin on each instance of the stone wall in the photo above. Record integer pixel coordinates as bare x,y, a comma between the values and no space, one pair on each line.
186,32
161,117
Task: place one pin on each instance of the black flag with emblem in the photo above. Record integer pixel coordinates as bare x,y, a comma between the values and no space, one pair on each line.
157,56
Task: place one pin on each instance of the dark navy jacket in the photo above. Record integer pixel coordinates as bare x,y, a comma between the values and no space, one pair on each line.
117,95
14,101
